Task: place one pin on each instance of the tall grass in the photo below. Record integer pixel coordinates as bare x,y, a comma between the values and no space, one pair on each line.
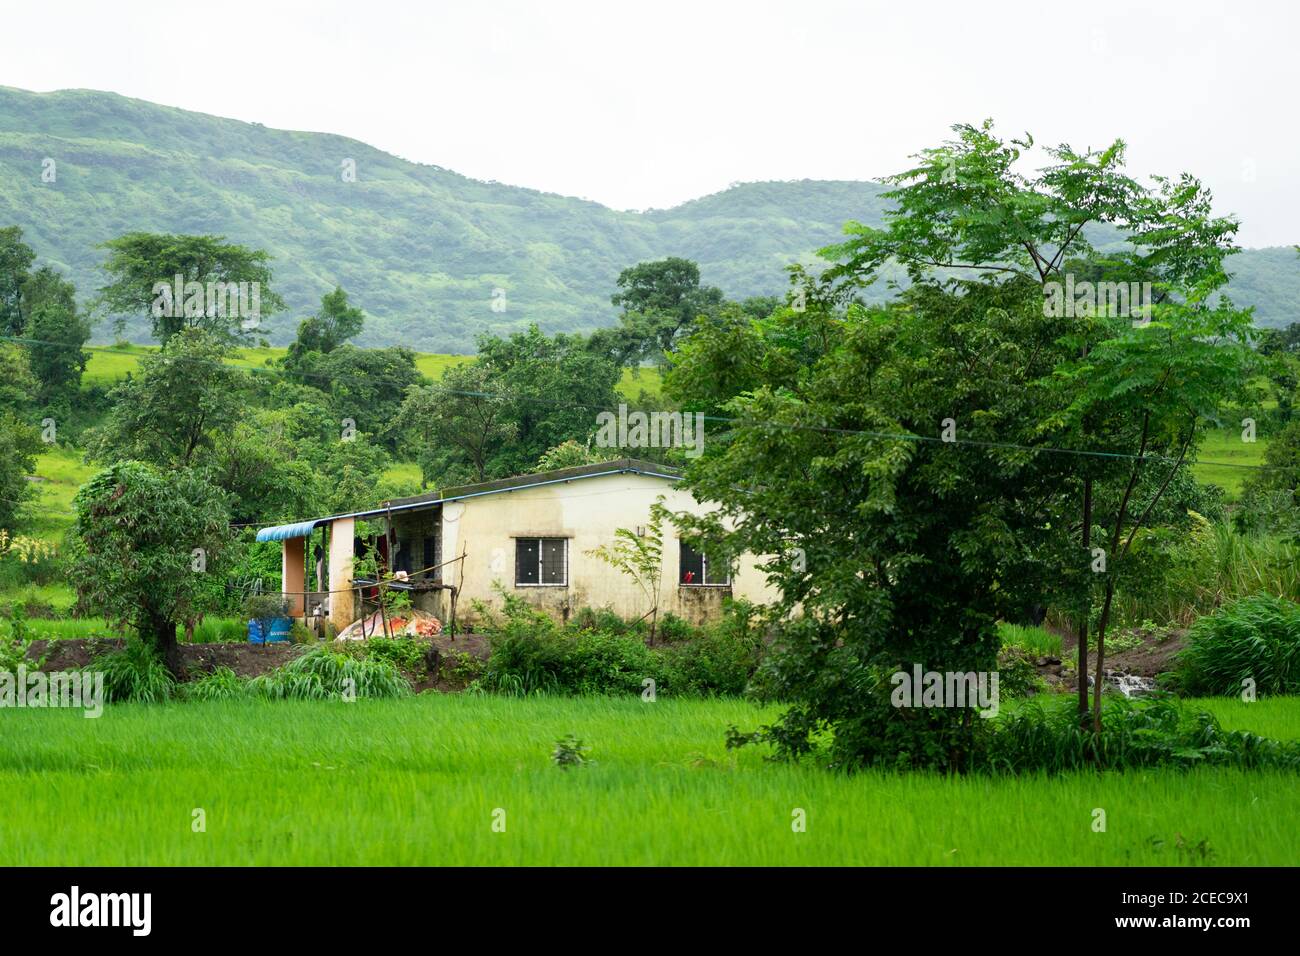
1032,640
1161,732
135,674
1255,640
216,630
221,684
323,674
59,629
1216,566
211,630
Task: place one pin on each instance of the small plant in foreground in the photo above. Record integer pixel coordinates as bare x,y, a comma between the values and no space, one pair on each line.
569,752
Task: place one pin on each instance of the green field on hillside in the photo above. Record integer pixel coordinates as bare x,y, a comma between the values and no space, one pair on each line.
1226,460
108,363
423,780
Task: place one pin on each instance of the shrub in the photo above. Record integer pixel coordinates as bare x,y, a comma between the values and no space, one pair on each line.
1255,638
1135,733
532,654
322,674
673,628
462,668
1036,737
599,619
551,660
601,663
135,673
405,653
1017,676
221,684
721,660
529,654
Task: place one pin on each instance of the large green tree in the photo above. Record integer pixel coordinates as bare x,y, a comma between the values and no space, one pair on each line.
366,387
143,545
960,455
458,425
500,413
55,332
18,386
1149,371
335,323
171,412
659,304
554,386
20,443
16,257
142,268
890,546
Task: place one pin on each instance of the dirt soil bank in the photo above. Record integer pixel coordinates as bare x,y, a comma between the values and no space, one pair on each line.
1152,657
246,660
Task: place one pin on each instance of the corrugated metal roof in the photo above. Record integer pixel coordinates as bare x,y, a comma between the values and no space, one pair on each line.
558,476
280,532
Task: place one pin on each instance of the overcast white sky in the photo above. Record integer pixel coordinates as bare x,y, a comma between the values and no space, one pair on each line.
648,104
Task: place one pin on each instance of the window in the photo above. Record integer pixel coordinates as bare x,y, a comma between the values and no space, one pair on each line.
541,562
696,569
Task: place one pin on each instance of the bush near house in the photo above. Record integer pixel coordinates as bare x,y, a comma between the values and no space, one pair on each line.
597,653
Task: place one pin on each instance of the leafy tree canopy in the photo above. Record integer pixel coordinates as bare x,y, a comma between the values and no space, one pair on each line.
143,267
16,257
660,302
143,545
172,411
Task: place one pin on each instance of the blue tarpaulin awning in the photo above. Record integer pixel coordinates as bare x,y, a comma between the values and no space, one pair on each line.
280,532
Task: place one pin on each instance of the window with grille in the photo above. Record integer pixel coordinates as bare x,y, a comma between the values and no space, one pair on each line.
542,562
696,569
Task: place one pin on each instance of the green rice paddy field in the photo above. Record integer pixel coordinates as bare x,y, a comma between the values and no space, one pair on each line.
422,780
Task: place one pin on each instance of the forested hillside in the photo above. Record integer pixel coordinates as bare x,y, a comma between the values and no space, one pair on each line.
420,248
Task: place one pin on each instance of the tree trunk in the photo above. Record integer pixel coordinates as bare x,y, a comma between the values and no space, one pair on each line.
1101,656
162,633
1086,610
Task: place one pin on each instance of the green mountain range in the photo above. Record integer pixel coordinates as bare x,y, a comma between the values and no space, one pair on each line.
422,249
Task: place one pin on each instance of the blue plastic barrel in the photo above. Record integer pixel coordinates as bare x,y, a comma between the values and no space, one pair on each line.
279,630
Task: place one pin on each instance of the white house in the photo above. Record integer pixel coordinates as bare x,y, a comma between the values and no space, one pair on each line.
529,536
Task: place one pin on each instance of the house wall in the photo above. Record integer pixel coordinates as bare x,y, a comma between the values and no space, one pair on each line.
586,512
342,602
